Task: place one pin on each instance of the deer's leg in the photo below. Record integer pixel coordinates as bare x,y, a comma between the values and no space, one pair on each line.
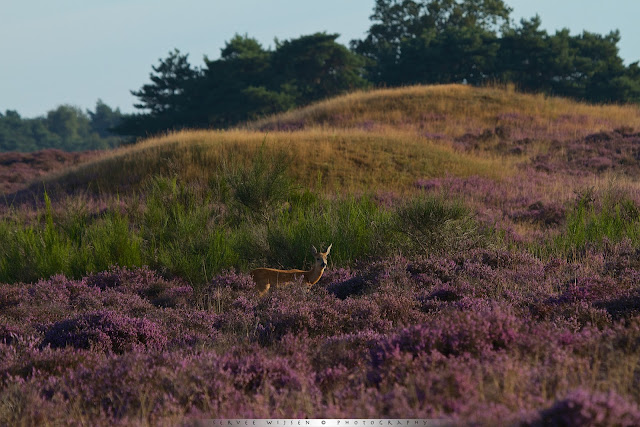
264,289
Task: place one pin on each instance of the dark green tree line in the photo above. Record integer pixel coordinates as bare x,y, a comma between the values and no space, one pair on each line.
586,66
436,41
66,127
246,82
475,42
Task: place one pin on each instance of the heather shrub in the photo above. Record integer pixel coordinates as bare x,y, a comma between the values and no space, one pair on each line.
622,307
10,296
433,270
475,332
28,360
318,313
288,310
235,280
588,289
347,282
586,408
186,328
174,297
239,320
154,386
547,214
102,280
250,372
49,300
121,387
621,260
350,350
8,334
367,277
141,284
350,287
336,275
312,354
358,314
125,280
105,331
446,293
397,304
223,290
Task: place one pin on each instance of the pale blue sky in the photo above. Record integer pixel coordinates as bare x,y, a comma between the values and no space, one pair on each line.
76,51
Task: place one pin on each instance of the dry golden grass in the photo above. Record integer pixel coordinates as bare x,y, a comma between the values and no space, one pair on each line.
334,160
378,139
454,110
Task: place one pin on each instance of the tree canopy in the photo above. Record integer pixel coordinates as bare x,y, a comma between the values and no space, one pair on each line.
475,42
66,127
246,82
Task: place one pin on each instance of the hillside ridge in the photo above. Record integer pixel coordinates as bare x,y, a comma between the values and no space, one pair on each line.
384,139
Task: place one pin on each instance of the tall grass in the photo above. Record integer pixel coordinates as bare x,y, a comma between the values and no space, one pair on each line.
356,227
182,234
594,221
33,251
183,230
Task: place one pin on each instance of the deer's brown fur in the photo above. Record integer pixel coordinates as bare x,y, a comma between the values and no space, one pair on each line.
265,278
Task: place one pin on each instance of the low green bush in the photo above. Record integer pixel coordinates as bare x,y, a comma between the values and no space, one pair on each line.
592,221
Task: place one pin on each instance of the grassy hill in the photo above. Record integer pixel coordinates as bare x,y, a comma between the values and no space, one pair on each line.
380,139
329,160
452,111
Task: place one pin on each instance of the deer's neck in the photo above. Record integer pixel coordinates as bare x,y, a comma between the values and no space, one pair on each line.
313,275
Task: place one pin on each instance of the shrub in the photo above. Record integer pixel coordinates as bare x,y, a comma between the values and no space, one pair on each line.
105,330
475,332
582,407
263,187
434,224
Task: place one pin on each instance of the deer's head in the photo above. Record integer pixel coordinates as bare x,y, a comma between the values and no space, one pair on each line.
320,257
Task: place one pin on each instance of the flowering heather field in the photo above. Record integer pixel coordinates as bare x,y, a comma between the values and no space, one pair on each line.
483,336
483,296
18,169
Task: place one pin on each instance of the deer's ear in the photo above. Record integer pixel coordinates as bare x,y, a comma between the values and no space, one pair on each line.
314,251
329,249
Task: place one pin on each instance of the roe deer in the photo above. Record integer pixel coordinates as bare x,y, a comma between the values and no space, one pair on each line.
267,277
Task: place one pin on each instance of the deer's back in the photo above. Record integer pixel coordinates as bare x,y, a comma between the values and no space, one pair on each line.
274,276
